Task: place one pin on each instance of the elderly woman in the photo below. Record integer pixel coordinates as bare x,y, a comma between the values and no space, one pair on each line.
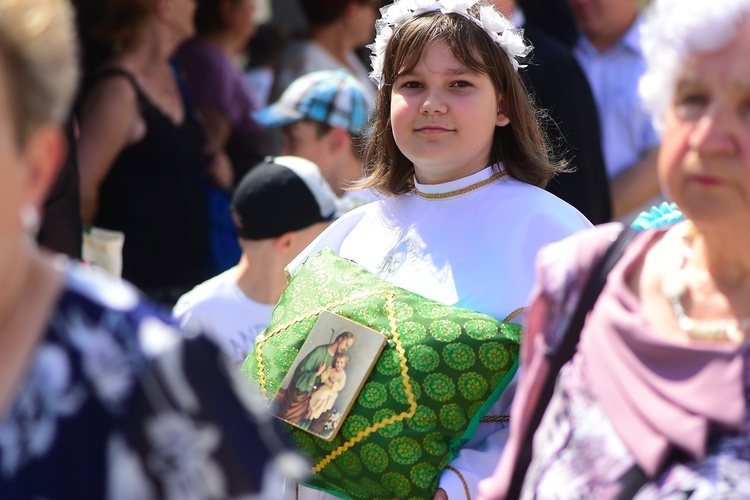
99,395
655,402
141,150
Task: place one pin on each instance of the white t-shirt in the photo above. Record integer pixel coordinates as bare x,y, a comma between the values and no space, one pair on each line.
228,316
476,251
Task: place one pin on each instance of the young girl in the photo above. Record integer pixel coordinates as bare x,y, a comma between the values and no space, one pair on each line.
334,379
457,149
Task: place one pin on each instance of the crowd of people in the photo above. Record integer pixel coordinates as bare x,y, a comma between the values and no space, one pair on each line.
479,156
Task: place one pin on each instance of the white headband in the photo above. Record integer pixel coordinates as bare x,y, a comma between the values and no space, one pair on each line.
393,16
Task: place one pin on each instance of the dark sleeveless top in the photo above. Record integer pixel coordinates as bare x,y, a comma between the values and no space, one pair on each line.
153,194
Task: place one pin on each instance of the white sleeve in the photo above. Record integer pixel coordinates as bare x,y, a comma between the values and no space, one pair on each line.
184,311
478,458
332,237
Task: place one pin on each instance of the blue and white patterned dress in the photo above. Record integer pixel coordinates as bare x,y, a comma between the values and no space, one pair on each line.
116,403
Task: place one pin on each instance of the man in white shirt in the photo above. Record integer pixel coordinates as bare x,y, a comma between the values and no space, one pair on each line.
610,54
279,207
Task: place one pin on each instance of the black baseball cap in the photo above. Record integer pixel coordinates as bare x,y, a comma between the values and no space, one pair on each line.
279,195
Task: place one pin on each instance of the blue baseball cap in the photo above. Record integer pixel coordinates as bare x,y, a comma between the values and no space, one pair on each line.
333,97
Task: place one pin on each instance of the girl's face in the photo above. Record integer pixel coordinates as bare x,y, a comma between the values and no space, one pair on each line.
704,160
444,116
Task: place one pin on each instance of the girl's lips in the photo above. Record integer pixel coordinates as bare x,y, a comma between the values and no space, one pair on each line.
432,130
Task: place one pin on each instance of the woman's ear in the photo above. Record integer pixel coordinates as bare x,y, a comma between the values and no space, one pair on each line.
44,154
502,117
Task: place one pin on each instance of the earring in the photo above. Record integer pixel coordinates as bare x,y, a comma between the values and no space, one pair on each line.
29,218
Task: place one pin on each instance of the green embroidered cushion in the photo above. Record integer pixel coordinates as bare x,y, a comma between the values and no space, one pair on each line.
442,369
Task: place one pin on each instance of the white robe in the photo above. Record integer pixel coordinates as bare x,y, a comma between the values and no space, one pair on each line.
474,251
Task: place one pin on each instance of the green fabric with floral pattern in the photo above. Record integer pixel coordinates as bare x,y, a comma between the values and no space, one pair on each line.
458,364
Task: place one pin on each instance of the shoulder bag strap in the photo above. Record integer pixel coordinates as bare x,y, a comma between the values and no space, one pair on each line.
561,353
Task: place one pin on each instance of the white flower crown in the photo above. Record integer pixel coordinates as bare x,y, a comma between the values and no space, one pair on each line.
393,16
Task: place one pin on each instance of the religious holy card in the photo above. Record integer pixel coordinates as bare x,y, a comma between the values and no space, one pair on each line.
327,375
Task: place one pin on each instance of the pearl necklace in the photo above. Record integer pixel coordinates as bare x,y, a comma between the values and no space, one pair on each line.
674,288
464,190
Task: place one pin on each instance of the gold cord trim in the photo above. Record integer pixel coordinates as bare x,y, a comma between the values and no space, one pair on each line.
495,418
262,338
463,481
464,190
390,311
515,313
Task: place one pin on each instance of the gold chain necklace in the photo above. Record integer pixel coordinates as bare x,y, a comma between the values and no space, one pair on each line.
674,288
464,190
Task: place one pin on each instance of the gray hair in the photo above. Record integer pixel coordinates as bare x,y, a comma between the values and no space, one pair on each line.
674,30
38,50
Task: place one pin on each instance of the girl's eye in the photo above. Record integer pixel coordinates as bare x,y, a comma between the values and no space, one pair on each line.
411,85
461,84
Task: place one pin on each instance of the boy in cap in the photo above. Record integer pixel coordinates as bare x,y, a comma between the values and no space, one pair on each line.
322,116
279,207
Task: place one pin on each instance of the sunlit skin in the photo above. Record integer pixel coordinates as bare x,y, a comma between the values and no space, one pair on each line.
301,139
183,12
704,162
242,18
604,21
444,116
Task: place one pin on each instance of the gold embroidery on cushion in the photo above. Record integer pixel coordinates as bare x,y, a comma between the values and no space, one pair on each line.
515,313
389,307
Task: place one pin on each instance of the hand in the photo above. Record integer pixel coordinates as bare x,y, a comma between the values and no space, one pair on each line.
440,494
220,171
321,369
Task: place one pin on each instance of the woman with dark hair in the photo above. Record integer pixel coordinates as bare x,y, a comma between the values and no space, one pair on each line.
141,149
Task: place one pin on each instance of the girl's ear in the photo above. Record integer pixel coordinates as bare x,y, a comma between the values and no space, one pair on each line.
502,117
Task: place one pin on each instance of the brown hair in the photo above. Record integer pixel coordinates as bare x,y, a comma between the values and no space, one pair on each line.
121,20
343,336
39,61
208,18
521,145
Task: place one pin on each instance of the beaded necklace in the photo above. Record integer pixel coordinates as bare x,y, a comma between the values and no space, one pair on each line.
674,288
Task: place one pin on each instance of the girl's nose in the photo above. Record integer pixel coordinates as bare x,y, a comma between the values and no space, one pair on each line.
433,102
